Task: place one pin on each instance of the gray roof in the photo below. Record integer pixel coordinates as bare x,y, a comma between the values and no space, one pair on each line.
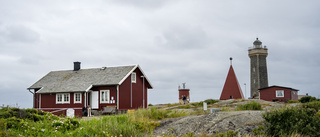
83,79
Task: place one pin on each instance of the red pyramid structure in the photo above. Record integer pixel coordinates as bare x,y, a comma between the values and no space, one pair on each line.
231,88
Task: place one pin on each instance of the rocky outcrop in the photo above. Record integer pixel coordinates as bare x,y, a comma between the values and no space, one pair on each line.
242,121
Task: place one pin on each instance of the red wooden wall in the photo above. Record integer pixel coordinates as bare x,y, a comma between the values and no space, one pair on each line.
184,92
47,102
269,94
113,92
137,93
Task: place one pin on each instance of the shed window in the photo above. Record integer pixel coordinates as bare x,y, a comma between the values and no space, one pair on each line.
104,96
77,97
62,98
133,77
279,93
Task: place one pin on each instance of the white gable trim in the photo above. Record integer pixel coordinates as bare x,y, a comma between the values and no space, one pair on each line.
88,88
129,74
145,77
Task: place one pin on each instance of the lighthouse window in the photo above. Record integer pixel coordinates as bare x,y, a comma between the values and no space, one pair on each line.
254,69
254,80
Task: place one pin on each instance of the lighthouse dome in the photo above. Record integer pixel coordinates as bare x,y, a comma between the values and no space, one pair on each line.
257,42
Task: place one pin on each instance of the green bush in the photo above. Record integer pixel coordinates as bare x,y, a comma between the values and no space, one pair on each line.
4,114
65,124
304,121
293,101
307,99
314,105
250,106
13,122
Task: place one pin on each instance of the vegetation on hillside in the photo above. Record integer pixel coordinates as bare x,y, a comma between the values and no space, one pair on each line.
301,120
250,106
304,120
30,122
307,99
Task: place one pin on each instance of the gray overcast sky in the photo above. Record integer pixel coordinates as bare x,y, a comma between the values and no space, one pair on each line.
174,41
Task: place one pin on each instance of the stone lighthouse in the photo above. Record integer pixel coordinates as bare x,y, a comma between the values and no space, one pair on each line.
258,67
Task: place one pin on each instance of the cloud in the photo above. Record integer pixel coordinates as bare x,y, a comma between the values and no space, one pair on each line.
182,38
173,41
145,4
19,33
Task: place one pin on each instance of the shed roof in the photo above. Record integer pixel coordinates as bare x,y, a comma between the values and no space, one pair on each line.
278,87
83,79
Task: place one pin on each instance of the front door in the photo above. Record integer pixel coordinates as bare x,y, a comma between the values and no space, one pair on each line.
95,100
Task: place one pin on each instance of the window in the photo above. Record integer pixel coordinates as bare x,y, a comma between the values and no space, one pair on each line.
59,98
77,97
133,77
62,98
279,93
104,96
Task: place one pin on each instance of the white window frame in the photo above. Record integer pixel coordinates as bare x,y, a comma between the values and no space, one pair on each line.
102,99
63,101
279,91
133,77
59,97
75,98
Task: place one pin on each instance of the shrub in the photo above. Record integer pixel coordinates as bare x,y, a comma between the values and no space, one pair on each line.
307,99
293,101
13,122
288,121
314,105
65,124
250,106
4,114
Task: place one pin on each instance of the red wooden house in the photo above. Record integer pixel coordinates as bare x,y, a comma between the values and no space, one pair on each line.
123,87
278,93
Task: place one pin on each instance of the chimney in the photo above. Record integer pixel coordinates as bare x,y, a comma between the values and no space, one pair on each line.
76,66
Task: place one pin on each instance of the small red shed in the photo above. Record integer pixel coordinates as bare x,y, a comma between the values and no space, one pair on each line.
278,93
70,91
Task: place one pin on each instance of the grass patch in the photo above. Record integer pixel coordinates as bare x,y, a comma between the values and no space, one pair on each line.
250,106
172,105
185,107
226,108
